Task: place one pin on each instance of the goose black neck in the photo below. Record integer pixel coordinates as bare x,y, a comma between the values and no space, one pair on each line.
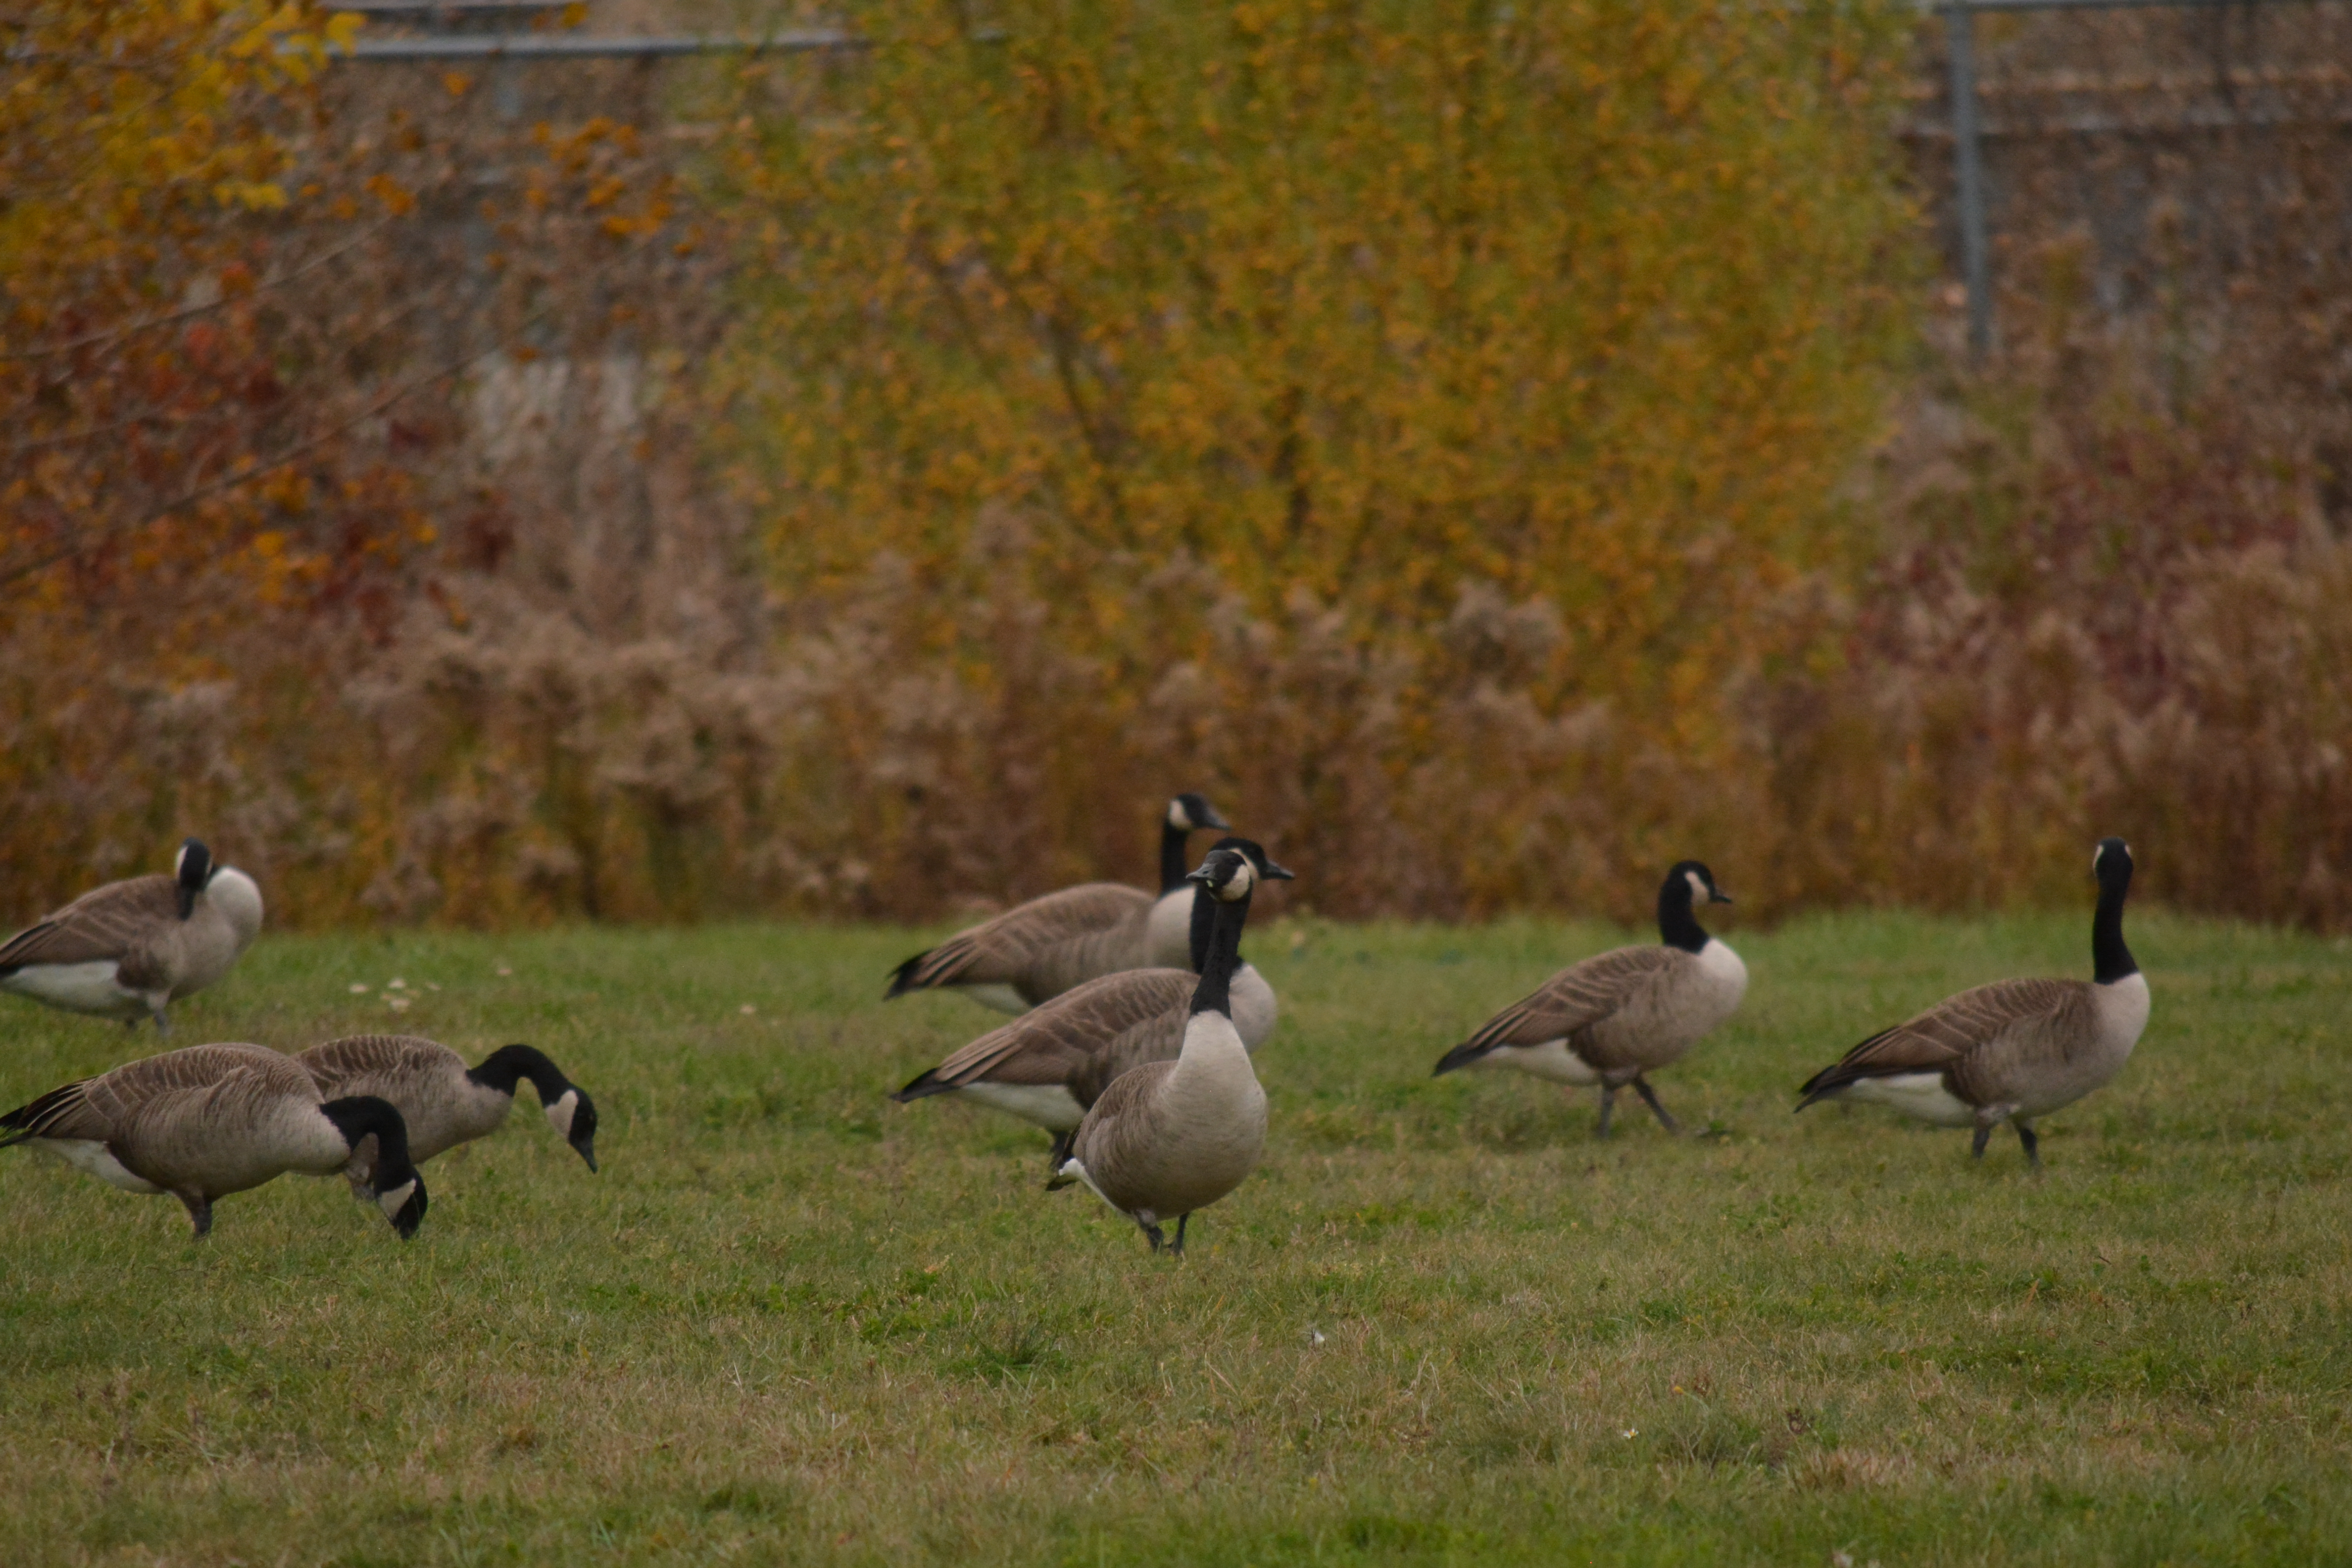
1172,868
509,1065
360,1115
1677,926
2111,960
1215,993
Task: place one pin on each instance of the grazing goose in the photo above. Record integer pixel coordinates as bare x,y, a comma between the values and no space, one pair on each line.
1051,1064
1168,1138
2013,1051
130,949
444,1102
1620,1015
209,1121
1034,952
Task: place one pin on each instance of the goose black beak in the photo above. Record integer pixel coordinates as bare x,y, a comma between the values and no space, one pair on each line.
1210,819
587,1150
412,1213
1717,896
1279,874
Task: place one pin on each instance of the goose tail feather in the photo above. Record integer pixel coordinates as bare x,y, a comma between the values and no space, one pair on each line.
922,1086
1462,1056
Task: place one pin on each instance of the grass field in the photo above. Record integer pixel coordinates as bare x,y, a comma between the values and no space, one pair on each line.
792,1321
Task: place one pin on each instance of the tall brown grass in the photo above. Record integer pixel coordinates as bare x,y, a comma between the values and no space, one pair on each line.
2098,588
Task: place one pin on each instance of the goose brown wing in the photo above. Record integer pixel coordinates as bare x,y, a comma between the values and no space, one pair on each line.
357,1056
1577,997
104,924
105,1107
1118,1122
995,952
1949,1037
1054,1042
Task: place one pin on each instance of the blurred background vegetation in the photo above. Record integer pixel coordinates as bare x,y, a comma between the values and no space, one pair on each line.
1492,451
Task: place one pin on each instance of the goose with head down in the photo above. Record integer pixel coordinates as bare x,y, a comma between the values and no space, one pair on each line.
208,1120
1616,1017
444,1101
1034,952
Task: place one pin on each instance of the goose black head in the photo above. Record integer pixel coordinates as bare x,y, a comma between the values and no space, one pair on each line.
1689,883
1228,874
1188,811
1694,874
573,1116
1250,850
192,870
2111,862
404,1204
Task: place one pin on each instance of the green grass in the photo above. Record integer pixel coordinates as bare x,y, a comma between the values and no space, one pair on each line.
792,1322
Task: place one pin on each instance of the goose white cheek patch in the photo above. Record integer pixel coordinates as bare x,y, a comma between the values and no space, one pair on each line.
392,1202
560,1114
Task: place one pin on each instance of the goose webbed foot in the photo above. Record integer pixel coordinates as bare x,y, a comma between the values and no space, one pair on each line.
2032,1145
1608,1104
1649,1098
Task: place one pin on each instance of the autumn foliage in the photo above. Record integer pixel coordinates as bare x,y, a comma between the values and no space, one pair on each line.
1493,451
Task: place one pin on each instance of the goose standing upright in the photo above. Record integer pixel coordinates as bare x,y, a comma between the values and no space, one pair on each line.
1035,951
208,1120
1617,1016
130,949
1051,1064
2014,1050
1169,1138
444,1101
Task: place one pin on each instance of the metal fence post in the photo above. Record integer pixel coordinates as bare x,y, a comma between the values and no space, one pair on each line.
1968,158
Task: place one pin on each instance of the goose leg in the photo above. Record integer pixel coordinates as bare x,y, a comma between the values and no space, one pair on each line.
162,1025
1153,1234
1608,1104
1649,1098
1061,1150
1179,1248
200,1211
2032,1144
1984,1136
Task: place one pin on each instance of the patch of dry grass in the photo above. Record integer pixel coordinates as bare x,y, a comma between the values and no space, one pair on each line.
792,1321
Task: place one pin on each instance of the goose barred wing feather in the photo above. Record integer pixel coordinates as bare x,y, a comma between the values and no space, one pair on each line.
1973,1038
1576,998
111,1105
1060,1040
103,923
63,1112
999,951
1119,1125
358,1056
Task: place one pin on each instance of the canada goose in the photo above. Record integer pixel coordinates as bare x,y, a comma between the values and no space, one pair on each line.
208,1120
444,1102
1619,1015
130,949
2013,1051
1037,951
1169,1138
1049,1065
